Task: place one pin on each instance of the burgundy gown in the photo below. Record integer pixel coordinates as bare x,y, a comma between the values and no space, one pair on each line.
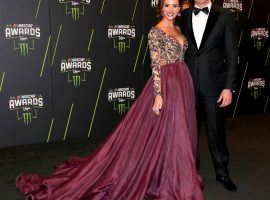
147,157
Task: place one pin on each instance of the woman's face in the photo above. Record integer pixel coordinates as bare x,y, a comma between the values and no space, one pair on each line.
170,9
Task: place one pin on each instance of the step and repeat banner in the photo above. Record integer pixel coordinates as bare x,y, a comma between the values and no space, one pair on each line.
252,17
72,69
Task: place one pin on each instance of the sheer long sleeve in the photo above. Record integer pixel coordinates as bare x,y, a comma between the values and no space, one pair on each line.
155,49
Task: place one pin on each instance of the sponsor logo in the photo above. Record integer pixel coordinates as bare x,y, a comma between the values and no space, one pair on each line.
154,3
23,36
235,6
259,36
121,35
26,106
256,85
75,8
76,69
121,98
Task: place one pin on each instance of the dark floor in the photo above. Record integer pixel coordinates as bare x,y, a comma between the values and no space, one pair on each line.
249,142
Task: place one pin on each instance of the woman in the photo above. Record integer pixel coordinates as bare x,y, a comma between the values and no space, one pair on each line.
150,155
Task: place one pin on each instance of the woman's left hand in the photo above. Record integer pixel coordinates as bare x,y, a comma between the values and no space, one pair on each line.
157,104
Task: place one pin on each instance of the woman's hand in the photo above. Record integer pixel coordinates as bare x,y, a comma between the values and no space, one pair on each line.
157,104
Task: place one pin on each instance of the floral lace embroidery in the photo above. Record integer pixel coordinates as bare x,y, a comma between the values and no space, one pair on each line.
166,48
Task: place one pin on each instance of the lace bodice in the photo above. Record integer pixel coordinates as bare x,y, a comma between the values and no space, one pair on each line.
166,48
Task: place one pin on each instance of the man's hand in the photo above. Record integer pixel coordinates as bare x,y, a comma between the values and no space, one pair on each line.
157,104
225,98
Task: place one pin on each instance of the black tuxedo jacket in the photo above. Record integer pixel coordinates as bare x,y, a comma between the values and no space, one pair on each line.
213,66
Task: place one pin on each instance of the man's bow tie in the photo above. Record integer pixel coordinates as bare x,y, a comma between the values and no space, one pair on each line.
205,10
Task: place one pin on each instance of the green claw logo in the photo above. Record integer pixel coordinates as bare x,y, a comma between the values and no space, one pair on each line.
256,85
75,12
121,36
121,98
23,36
27,118
24,48
76,69
259,36
26,106
75,8
256,93
121,107
121,45
76,80
258,44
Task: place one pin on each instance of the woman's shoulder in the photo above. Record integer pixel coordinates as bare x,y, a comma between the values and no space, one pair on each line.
154,32
154,29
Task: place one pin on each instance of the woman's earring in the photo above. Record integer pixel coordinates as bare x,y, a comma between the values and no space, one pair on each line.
179,14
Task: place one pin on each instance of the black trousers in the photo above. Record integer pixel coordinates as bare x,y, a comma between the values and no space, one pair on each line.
214,117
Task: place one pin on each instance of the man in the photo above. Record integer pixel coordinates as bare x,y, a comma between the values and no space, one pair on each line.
212,61
185,5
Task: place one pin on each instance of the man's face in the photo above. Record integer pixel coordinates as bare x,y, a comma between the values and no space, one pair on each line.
202,1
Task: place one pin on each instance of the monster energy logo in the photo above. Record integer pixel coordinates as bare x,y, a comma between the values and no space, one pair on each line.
24,47
76,69
26,106
23,36
121,46
76,79
121,35
121,98
256,85
121,107
75,7
75,13
259,43
259,35
27,117
255,94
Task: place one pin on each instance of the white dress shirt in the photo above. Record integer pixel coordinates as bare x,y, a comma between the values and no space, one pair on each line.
199,23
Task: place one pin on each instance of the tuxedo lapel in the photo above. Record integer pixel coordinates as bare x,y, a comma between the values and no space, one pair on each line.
190,29
213,15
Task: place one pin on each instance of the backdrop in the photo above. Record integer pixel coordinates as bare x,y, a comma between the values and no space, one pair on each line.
72,69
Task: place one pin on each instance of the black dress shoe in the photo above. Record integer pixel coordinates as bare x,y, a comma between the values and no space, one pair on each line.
227,183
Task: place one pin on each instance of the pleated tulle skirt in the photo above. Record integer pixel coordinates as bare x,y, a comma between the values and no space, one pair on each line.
146,157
